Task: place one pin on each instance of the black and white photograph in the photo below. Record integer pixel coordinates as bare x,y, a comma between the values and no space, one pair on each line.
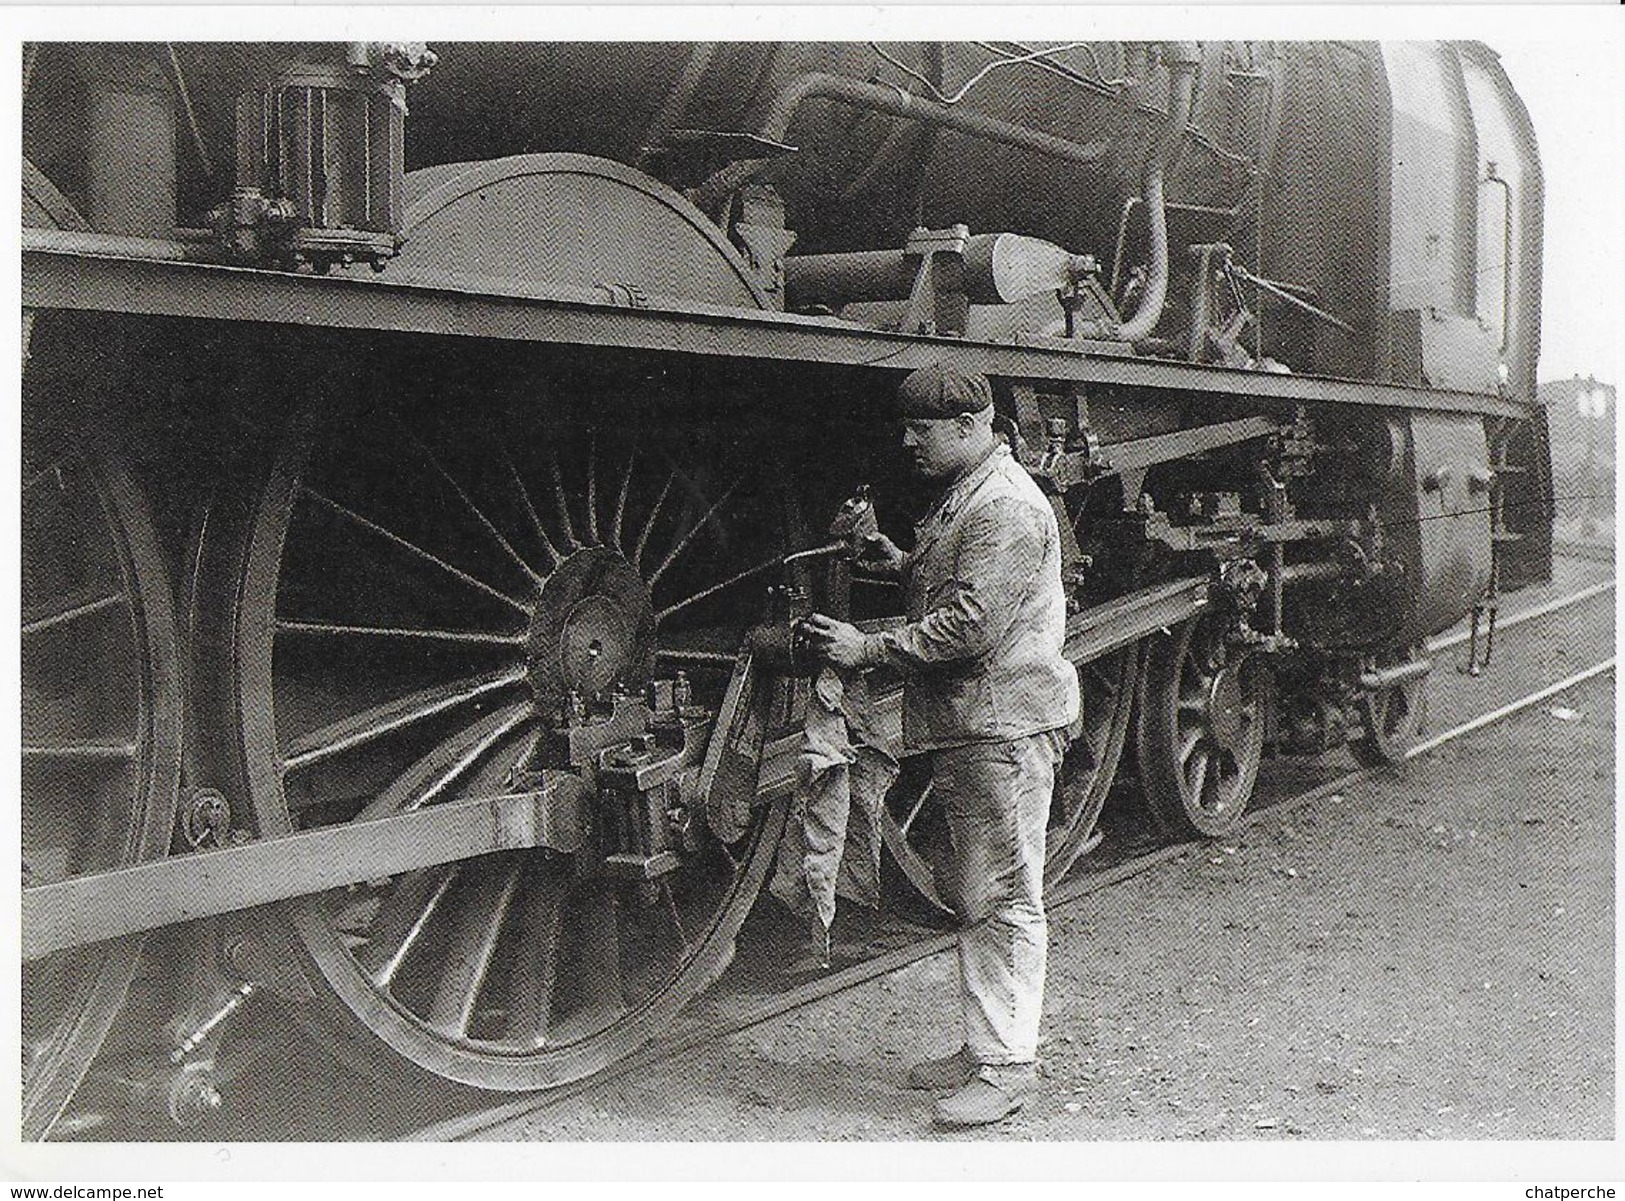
670,588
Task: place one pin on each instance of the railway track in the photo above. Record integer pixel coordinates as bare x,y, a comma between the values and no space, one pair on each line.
1543,648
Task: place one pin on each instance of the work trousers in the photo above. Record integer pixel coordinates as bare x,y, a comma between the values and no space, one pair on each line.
990,869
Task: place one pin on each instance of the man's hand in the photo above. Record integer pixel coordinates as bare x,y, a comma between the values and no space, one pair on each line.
840,643
879,549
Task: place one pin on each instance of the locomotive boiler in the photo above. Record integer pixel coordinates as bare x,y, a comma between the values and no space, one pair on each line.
418,449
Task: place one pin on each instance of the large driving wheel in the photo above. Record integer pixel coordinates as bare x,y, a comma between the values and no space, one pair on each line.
1394,717
100,740
428,585
100,712
1200,732
908,824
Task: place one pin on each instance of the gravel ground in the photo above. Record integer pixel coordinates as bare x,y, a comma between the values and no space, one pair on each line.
1429,957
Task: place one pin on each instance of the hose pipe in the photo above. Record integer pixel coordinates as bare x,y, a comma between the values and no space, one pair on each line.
1183,59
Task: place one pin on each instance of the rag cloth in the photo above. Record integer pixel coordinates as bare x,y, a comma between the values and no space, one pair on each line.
846,766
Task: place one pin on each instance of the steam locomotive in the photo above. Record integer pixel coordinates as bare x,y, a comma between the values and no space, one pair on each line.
414,506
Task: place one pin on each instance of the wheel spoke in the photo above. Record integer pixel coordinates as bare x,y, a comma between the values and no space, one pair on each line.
536,961
914,812
363,727
426,779
1379,712
1199,780
559,499
41,624
592,488
1399,709
734,865
476,930
94,751
649,522
602,979
1188,744
688,538
676,921
477,513
412,548
530,509
402,920
620,500
327,629
716,588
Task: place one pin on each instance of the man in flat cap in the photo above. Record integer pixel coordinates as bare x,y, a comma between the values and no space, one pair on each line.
989,696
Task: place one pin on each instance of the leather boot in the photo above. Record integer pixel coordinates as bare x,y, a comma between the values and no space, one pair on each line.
993,1094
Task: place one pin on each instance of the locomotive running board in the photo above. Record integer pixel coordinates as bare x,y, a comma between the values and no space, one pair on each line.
98,273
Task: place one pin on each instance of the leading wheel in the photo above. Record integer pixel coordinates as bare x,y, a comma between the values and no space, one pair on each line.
1394,717
428,586
907,824
100,740
1200,732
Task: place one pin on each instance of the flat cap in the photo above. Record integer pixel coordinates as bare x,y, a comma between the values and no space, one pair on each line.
940,391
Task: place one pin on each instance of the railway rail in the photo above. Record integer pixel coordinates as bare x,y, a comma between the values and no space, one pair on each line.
1537,660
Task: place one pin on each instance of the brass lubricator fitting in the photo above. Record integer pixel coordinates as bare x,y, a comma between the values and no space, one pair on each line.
321,161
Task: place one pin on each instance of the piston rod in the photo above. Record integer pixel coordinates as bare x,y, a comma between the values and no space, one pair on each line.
1389,677
144,896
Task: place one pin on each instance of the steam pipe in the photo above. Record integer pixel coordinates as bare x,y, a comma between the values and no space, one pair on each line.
677,100
1183,59
897,102
999,269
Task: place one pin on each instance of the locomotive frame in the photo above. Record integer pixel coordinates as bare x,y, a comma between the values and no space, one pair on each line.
281,462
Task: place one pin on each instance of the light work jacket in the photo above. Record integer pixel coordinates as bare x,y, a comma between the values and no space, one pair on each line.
980,654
